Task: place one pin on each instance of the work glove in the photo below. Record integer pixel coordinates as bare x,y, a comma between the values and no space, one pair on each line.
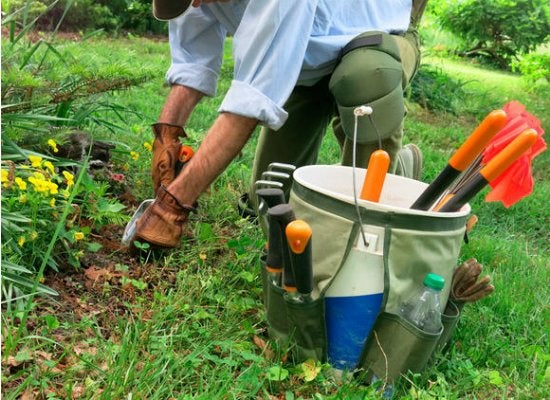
166,151
467,286
161,225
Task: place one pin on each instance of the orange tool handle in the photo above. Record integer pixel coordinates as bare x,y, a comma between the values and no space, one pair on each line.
377,169
186,152
298,233
511,153
477,141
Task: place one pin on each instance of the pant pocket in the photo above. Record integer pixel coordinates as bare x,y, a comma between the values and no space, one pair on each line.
396,346
308,332
449,318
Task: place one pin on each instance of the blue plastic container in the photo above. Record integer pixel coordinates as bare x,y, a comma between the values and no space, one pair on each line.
352,304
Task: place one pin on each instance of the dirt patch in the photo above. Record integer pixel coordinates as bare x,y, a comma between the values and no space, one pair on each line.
108,282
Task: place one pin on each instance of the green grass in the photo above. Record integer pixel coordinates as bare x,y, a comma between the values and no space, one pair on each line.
192,336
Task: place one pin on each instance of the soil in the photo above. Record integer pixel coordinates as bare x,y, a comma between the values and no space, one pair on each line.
107,282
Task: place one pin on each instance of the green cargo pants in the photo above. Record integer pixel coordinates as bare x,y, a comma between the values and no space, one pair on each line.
374,75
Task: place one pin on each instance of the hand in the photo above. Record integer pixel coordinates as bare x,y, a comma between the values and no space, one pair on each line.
166,148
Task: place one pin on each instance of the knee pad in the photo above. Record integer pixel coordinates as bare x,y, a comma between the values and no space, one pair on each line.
370,74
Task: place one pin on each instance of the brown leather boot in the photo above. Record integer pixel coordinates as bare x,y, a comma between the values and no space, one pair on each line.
161,224
166,147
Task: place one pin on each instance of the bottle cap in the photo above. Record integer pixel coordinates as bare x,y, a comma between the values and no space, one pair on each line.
434,281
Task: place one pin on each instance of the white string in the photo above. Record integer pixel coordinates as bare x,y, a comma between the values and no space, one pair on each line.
357,112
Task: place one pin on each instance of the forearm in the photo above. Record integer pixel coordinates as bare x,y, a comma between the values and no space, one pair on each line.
222,144
179,104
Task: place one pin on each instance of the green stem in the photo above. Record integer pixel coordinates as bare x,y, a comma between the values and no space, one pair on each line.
51,245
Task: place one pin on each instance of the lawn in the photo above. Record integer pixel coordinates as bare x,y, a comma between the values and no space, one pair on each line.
190,323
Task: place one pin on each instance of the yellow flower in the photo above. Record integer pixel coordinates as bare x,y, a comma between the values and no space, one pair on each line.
134,155
36,161
52,187
39,184
23,198
53,145
52,202
69,177
21,183
49,165
21,241
33,235
78,236
148,146
5,175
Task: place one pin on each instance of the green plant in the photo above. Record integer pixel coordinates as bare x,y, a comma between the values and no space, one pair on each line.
67,15
534,67
487,28
45,87
436,90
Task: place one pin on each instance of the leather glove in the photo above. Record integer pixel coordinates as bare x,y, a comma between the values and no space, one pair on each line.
166,148
467,286
162,223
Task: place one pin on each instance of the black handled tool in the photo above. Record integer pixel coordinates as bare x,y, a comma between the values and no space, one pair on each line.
280,216
462,158
298,236
491,170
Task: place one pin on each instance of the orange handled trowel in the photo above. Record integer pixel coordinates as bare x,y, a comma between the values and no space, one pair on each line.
185,154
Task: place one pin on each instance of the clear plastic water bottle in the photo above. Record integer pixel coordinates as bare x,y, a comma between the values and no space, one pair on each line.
423,309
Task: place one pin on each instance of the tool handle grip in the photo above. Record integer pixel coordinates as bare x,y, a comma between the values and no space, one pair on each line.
298,235
282,215
377,169
274,260
477,141
466,193
434,189
271,196
492,170
515,149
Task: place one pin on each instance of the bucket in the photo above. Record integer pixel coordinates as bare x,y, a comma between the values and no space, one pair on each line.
367,256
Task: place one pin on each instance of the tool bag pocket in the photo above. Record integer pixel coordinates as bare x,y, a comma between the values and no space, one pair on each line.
397,346
308,334
449,318
278,322
299,327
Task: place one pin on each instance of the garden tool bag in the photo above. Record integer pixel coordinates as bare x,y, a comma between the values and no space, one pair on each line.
366,258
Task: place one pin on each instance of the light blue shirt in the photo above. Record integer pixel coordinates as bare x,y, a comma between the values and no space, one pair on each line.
277,44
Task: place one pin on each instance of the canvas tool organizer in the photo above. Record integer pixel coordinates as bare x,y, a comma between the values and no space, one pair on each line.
402,245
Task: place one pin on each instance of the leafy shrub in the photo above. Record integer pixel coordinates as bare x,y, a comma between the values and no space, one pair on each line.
47,212
534,67
137,16
435,90
43,201
85,15
499,30
73,15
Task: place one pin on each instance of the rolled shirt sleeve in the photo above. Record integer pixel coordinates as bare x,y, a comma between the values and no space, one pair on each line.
196,47
269,48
